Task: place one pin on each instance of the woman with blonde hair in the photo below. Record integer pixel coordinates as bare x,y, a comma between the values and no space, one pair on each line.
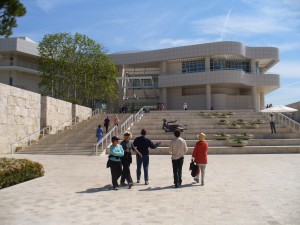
200,156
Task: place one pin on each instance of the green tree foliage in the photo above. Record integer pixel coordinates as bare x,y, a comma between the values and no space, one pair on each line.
75,68
9,10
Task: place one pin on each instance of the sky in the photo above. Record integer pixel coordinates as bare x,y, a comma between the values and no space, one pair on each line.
155,24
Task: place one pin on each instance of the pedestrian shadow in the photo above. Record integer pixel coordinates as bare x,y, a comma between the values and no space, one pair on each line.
107,187
169,187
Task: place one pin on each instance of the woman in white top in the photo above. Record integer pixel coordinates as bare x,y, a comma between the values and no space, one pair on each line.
272,123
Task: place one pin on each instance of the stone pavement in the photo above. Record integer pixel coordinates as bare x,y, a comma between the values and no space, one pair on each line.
239,189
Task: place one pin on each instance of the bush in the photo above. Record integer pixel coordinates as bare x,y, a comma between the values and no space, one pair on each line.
15,171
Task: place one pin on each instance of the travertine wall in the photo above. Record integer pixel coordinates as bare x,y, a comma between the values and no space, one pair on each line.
295,115
55,112
20,113
80,111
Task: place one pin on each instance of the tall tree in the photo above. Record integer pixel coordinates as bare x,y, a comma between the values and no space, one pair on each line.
75,68
9,10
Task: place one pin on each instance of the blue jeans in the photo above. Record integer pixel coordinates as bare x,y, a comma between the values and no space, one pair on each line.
139,161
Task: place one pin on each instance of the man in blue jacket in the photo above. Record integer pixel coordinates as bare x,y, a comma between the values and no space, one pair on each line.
142,144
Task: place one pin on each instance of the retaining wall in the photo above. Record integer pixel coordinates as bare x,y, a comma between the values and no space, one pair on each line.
20,113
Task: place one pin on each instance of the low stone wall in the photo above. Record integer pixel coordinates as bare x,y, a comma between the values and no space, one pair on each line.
80,111
295,115
55,112
20,113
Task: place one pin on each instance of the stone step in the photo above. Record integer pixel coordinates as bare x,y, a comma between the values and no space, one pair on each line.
237,150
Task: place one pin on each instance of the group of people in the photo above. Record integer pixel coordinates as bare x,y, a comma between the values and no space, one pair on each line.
269,106
120,158
99,131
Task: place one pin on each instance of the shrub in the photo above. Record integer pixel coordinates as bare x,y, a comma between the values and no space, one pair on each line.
244,136
15,171
258,121
223,121
237,142
241,121
221,136
223,115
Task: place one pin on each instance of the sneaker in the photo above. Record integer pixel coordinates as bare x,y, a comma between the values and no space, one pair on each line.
146,182
130,185
138,181
197,180
115,188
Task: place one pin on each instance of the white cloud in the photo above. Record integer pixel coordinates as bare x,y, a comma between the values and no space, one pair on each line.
48,5
284,95
258,17
287,69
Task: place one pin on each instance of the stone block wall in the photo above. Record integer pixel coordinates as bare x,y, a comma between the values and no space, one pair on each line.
55,112
295,115
80,111
20,113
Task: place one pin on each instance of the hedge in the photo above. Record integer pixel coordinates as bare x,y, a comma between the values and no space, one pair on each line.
15,171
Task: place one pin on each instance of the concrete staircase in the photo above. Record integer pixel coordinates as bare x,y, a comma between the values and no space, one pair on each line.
79,139
284,141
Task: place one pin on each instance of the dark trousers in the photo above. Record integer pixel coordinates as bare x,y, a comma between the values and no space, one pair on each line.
139,161
116,171
106,128
126,173
272,125
177,171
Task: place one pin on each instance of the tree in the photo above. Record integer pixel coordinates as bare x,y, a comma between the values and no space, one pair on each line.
75,68
9,10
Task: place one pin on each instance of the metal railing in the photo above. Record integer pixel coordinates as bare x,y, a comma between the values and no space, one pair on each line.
288,121
106,140
36,136
32,138
67,124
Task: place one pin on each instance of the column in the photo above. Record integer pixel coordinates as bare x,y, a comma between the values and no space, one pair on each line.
253,66
254,99
262,100
163,96
207,64
208,96
163,67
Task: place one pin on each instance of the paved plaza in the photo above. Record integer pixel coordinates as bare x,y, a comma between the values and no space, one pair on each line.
239,189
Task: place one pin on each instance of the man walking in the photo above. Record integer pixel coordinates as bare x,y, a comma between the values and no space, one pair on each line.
142,144
127,159
106,123
178,148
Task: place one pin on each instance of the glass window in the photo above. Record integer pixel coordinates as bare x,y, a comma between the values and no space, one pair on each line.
222,64
193,66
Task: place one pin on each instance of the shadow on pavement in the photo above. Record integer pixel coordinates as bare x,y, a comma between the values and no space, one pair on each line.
169,187
107,187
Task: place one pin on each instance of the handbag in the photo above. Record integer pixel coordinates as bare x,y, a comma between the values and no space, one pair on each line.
194,169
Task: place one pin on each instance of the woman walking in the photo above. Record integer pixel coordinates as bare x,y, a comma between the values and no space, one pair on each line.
116,152
200,156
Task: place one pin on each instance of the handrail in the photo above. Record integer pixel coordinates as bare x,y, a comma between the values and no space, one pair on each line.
127,124
31,137
76,120
288,121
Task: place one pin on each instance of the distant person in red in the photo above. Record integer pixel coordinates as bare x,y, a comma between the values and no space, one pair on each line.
200,156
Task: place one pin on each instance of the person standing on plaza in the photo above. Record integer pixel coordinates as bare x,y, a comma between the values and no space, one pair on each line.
185,106
106,123
200,156
272,123
177,148
116,152
99,133
127,159
142,144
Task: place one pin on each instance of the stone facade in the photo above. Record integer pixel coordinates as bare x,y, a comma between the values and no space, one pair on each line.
20,113
55,112
80,111
295,115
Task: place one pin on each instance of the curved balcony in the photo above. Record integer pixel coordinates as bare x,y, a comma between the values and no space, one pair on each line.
268,81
